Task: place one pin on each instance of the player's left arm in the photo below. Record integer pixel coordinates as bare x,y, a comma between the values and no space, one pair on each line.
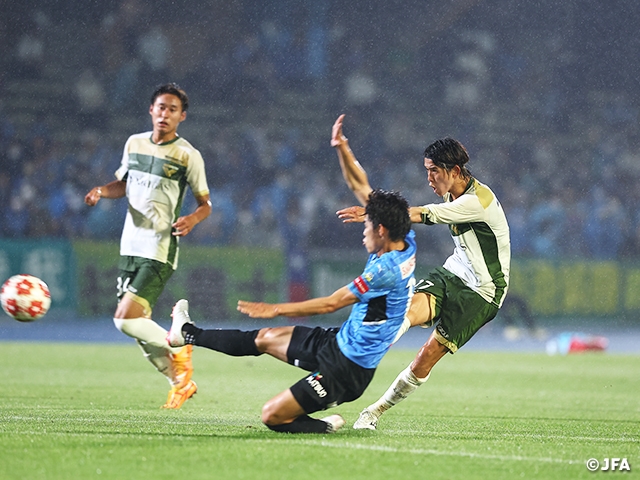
339,299
183,225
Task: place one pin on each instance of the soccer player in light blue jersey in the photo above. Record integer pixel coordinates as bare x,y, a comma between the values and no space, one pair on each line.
341,361
467,291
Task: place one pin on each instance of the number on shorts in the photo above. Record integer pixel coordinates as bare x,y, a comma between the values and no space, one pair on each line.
122,286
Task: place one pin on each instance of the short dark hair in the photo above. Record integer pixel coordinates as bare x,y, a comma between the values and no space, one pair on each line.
447,153
171,89
391,210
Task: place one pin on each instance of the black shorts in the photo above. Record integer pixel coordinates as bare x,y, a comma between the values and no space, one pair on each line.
334,379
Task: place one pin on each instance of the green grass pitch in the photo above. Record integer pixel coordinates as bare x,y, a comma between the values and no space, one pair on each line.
79,411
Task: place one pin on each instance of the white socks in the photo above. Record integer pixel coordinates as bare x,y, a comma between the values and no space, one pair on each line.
145,330
403,386
151,338
161,359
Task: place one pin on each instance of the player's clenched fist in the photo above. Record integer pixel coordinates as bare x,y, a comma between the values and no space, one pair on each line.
93,196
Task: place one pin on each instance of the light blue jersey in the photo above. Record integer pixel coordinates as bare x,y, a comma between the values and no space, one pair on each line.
384,289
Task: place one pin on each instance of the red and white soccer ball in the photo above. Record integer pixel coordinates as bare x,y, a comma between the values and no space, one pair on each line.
25,298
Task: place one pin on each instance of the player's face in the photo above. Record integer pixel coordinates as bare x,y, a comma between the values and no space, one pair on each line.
440,179
166,114
372,238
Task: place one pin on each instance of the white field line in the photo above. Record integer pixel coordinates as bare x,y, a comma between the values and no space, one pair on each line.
422,451
90,420
346,445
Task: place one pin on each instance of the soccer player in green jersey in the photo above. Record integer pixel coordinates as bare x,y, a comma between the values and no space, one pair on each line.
467,291
155,171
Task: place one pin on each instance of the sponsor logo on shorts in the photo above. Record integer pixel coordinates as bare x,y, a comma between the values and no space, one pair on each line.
361,285
442,332
314,381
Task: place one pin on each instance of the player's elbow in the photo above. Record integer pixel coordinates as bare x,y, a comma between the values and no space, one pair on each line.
331,305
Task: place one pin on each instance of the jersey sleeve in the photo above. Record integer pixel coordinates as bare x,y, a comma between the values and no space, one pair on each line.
123,170
466,208
196,175
377,279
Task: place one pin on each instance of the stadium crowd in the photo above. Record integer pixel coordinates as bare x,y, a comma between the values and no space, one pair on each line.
559,146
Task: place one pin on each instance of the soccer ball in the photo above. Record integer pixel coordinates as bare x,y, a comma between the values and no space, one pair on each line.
25,298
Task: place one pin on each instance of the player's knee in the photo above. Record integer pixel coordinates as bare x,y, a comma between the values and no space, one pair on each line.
264,339
420,310
121,324
270,415
127,326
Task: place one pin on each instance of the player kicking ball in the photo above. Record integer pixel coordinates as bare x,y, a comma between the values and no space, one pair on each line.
341,361
467,291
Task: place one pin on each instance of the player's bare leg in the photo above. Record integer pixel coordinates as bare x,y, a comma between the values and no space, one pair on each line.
274,341
283,413
133,319
281,409
422,309
421,313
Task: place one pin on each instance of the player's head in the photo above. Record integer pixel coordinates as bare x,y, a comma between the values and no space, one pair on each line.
171,89
391,210
448,153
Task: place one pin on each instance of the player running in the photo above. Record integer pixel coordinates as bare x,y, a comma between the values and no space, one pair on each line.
156,168
341,361
467,291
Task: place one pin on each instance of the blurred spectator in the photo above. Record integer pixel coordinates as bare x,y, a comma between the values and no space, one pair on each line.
91,98
361,89
154,48
517,206
513,95
30,53
605,226
547,223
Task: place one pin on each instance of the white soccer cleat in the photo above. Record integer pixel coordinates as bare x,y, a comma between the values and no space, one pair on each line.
334,423
180,315
366,421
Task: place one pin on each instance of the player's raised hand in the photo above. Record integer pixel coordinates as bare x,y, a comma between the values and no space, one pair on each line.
351,214
257,309
337,137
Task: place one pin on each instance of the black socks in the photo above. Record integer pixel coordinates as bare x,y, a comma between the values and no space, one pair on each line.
302,424
237,343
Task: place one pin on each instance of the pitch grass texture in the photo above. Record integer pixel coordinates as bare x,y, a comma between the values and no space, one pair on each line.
80,411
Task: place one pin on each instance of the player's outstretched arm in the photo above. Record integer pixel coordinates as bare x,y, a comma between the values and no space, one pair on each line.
115,189
315,306
352,171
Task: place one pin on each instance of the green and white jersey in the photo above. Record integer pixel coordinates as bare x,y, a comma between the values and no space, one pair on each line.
157,177
480,232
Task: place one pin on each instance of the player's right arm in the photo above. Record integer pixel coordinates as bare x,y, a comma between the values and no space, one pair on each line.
115,189
339,299
352,171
